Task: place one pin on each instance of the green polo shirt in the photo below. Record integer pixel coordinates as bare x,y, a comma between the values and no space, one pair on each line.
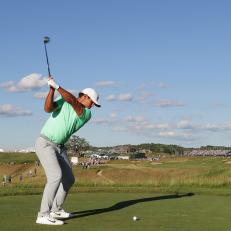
63,122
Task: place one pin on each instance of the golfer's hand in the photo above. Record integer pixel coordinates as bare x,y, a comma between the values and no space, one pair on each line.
51,82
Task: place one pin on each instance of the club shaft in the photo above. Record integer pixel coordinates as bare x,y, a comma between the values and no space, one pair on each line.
48,66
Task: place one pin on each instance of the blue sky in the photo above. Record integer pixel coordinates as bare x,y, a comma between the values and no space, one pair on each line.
162,68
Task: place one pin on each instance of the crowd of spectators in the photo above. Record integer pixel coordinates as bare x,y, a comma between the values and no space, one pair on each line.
199,152
91,162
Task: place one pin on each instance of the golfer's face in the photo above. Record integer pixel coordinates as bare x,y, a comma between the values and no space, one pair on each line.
89,103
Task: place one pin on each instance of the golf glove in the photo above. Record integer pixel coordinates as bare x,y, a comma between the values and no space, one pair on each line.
52,83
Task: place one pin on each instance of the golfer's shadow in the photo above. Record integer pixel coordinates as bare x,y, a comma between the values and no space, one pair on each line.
124,204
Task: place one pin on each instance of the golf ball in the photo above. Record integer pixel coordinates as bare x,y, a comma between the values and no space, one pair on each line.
134,218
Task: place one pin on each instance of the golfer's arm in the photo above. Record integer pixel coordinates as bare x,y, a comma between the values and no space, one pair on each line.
50,105
71,99
67,96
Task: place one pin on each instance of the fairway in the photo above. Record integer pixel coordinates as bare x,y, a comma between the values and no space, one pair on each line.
114,211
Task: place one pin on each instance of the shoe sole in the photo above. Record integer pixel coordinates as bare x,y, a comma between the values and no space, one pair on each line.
52,223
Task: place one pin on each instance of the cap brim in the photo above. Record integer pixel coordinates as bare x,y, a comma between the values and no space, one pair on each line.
97,105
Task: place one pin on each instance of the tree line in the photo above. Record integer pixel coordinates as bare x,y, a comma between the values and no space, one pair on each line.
77,145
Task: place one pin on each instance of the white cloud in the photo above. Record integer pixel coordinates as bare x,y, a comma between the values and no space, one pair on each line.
184,130
120,97
8,110
149,127
40,95
157,126
167,134
111,97
125,97
141,124
137,119
27,83
106,83
169,103
174,134
7,84
43,95
216,127
185,124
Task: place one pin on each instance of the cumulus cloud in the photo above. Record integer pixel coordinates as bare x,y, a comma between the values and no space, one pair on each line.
216,127
169,103
132,123
40,95
111,97
125,97
120,97
167,134
185,124
174,134
184,130
8,110
27,83
106,83
148,127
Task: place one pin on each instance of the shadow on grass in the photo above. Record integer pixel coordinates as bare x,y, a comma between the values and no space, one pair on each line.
124,204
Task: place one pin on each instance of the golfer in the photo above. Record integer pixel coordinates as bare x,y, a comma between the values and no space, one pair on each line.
69,114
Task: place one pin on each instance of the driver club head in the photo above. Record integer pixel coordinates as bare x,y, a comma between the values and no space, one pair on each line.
46,39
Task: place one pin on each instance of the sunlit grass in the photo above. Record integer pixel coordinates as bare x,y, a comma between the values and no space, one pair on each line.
168,174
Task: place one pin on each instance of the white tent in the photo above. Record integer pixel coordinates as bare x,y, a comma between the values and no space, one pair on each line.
74,160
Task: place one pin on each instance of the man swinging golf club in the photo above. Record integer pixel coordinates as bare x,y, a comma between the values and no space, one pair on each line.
69,114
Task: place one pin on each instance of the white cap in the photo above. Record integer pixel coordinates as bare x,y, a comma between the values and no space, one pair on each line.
92,94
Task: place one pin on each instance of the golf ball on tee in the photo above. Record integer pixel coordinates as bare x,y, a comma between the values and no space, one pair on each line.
134,218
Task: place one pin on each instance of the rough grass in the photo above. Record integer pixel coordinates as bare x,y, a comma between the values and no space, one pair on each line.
18,158
181,174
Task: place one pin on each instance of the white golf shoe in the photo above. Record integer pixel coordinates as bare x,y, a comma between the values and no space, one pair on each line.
48,220
61,214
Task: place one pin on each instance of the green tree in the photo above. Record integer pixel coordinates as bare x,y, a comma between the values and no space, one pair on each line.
77,145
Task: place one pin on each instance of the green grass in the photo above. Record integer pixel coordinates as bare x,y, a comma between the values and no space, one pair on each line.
114,212
18,158
106,197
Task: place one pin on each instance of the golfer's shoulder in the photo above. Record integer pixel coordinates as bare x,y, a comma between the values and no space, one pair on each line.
87,112
59,100
86,115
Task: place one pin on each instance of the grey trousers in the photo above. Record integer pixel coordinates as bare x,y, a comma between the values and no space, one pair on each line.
58,172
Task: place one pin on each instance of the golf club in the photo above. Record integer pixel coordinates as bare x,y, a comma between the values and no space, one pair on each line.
45,41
